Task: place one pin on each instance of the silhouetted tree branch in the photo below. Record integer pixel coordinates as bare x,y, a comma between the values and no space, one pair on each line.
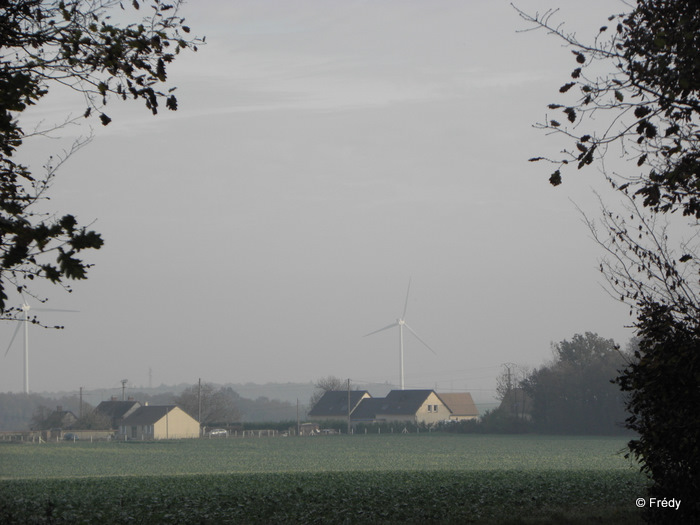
71,43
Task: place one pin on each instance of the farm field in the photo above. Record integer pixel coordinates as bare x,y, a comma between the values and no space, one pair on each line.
437,478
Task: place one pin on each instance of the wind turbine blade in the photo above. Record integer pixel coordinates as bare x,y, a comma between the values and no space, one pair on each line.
19,324
405,305
392,325
416,336
53,310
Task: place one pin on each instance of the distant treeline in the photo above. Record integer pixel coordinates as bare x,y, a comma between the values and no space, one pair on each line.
573,394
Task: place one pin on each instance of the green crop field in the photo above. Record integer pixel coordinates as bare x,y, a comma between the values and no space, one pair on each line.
437,478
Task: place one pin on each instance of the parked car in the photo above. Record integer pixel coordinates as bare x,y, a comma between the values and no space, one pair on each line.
70,437
218,432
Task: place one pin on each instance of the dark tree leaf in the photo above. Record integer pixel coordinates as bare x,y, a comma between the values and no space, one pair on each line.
566,87
555,178
641,111
570,114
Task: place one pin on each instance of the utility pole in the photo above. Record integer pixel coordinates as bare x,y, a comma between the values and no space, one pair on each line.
298,424
199,403
349,424
80,409
511,392
124,382
509,383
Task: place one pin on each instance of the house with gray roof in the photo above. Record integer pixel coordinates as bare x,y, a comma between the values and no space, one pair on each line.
367,411
414,406
334,404
409,406
116,410
159,422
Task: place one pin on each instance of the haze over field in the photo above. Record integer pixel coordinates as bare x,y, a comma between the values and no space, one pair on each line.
323,154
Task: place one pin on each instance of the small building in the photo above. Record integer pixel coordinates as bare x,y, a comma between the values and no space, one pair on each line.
334,404
116,410
461,406
309,429
59,419
367,411
159,422
414,406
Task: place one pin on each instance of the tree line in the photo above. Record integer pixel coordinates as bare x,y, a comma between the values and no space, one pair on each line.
574,393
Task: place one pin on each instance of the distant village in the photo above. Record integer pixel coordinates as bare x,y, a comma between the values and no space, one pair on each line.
335,411
572,395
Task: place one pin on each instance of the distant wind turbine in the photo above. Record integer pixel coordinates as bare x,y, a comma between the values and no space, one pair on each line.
25,308
401,323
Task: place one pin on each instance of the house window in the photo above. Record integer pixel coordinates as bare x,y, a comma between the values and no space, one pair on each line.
435,408
430,408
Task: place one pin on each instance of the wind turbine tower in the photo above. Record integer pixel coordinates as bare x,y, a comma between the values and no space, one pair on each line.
401,323
25,308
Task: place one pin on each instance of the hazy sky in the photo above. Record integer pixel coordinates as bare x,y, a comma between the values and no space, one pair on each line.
324,153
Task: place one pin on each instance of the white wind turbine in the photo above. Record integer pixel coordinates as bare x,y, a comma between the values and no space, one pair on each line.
401,323
25,308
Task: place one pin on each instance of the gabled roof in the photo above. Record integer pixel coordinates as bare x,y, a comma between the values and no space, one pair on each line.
403,402
460,404
334,403
367,409
147,415
116,409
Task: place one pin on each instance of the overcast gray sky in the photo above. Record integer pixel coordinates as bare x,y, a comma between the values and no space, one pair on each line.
324,153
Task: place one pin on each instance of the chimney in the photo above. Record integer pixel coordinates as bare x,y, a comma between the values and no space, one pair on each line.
130,398
113,398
